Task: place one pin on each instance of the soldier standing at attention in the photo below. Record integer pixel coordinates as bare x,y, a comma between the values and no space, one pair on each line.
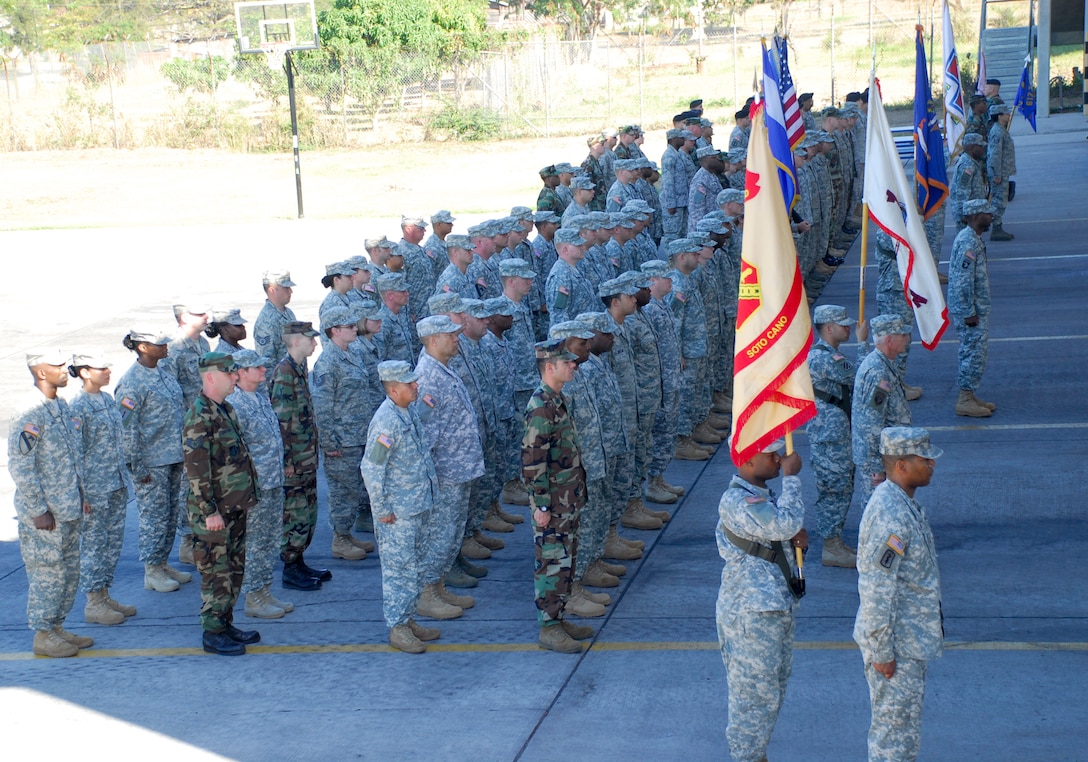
401,478
45,460
969,303
757,600
552,469
1000,166
435,245
274,315
968,177
290,393
222,489
899,626
105,489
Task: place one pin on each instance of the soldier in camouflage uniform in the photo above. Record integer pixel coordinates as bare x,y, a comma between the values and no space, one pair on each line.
705,185
969,303
230,327
1000,166
890,300
686,304
268,328
899,626
552,469
968,177
879,399
595,172
549,200
738,138
401,477
676,173
756,604
152,413
105,489
454,279
543,258
291,401
567,292
397,340
623,190
582,189
264,522
419,266
45,460
435,245
483,273
338,279
978,121
222,490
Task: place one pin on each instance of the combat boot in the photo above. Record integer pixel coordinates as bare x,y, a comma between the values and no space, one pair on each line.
579,605
97,611
49,643
966,405
155,579
514,492
294,578
126,610
836,553
615,548
366,545
259,606
491,543
494,522
456,577
287,606
686,449
79,641
423,633
322,575
469,568
616,570
221,643
598,577
942,279
662,516
632,518
722,403
554,637
577,631
719,422
636,544
461,601
511,518
178,576
431,605
656,492
988,405
474,550
675,489
998,233
703,434
402,639
578,588
343,547
185,552
911,392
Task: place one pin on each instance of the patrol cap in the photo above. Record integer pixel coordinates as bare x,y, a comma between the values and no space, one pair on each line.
552,349
371,243
616,286
636,278
692,119
809,141
459,241
479,230
565,168
305,327
907,440
683,246
90,361
338,316
49,357
687,135
702,153
627,165
730,196
476,308
339,268
367,309
230,317
516,267
777,445
569,236
499,305
629,129
977,206
887,325
704,122
141,336
383,243
622,219
579,222
711,225
657,268
429,326
600,218
546,215
1000,108
601,322
673,133
277,278
570,329
702,238
247,358
521,213
800,151
609,132
607,223
548,171
831,111
413,219
445,302
737,155
398,371
193,308
831,313
359,262
582,182
391,282
593,140
824,136
973,139
442,215
219,361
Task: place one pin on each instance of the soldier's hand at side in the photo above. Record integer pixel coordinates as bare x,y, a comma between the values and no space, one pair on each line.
887,668
87,508
45,522
800,540
791,464
146,479
289,471
862,331
672,211
804,227
971,321
390,519
333,453
541,518
215,523
878,477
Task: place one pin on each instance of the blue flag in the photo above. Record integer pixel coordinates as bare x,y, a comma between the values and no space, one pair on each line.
1025,96
930,171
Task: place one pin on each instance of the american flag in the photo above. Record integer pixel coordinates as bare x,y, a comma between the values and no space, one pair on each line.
795,125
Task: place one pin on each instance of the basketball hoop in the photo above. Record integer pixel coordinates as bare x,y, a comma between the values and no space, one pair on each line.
275,53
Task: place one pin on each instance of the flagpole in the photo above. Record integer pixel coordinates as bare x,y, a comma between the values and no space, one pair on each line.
864,257
789,442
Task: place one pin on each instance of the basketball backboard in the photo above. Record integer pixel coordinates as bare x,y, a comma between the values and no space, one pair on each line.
288,24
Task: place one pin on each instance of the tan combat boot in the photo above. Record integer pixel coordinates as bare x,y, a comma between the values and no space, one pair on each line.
579,605
494,522
721,403
49,643
836,553
966,405
461,601
636,544
577,631
675,489
633,518
911,392
126,610
687,449
343,547
155,579
491,543
402,639
515,493
988,405
79,641
366,545
97,611
719,422
474,550
510,518
431,605
704,434
185,552
662,516
656,492
616,570
578,588
555,638
259,606
178,576
598,577
423,633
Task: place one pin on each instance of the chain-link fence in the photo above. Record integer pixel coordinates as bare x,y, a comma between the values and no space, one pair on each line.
131,95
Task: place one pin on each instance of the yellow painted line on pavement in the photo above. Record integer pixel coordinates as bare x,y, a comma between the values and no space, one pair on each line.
630,646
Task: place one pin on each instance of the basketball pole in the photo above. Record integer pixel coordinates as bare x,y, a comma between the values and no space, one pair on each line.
289,65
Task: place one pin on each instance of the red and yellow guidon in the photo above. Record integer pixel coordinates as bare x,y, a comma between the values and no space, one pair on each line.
750,295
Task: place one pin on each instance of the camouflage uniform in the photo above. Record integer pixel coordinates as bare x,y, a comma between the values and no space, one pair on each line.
181,363
668,345
397,339
618,450
221,480
453,281
291,402
619,194
400,476
1000,162
484,275
519,341
264,522
646,354
268,334
968,182
738,138
45,460
568,293
333,300
543,258
969,296
507,414
878,401
550,200
104,488
755,609
420,275
592,521
706,280
152,415
596,174
686,304
702,196
480,374
675,180
552,469
890,299
899,617
435,249
622,362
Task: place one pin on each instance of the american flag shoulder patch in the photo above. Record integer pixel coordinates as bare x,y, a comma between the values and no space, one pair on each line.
429,400
385,441
896,544
128,403
884,385
31,429
564,290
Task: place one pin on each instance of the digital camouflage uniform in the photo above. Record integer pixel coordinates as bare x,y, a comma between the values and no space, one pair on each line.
400,477
453,281
675,180
152,414
1000,162
755,609
221,480
605,387
45,460
890,298
969,296
899,617
484,275
660,317
567,293
420,276
968,182
436,251
481,374
104,488
646,354
544,257
702,196
268,334
397,339
686,304
552,469
592,521
622,362
879,401
290,397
